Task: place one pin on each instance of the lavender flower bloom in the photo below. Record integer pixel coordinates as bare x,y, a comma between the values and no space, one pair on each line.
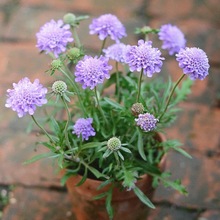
107,25
194,62
172,37
115,52
84,127
54,37
92,71
145,57
146,121
26,96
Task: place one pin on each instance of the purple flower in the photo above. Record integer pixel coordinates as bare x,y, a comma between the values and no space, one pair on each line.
194,62
83,127
145,57
25,96
54,37
92,71
107,25
115,52
146,121
172,37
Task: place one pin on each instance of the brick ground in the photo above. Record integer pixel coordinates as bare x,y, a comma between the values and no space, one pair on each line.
38,195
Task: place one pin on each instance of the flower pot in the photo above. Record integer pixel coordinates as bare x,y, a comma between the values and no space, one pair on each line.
126,204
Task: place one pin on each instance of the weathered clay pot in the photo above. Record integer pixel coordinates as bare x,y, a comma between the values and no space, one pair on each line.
126,205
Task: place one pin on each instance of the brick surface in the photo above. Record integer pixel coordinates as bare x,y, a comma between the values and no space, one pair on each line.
38,204
201,177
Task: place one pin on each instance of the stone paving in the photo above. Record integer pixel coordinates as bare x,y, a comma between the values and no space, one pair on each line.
37,193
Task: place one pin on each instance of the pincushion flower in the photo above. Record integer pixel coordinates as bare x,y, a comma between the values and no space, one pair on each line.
146,122
25,96
115,52
107,25
54,37
83,127
91,71
194,62
172,37
145,57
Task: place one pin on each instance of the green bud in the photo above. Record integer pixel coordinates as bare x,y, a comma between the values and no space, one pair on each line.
114,144
70,19
59,87
56,64
73,54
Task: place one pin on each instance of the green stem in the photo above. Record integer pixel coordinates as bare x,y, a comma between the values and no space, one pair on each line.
103,45
75,87
117,82
171,94
67,122
139,85
117,159
45,132
99,106
76,38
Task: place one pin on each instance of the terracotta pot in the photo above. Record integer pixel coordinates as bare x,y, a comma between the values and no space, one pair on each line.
126,205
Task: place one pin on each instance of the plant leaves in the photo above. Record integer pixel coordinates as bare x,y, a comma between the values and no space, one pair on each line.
113,103
143,197
141,146
92,145
41,156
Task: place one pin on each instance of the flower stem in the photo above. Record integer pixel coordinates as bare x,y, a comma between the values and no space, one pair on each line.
45,132
117,82
98,104
67,122
76,38
139,85
75,87
171,95
103,45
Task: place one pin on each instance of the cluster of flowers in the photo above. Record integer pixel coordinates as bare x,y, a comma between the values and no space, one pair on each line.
54,38
128,119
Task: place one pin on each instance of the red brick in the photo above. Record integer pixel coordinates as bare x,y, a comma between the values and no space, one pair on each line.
171,213
197,127
168,9
201,177
16,148
210,215
38,204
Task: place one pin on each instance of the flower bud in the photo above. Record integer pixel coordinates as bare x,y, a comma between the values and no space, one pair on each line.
70,19
56,64
73,54
59,87
113,144
137,108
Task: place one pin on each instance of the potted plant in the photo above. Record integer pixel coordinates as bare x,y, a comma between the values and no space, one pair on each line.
105,122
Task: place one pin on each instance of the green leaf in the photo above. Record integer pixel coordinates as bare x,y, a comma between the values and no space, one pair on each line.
141,146
101,195
175,144
55,125
175,185
183,152
120,155
107,153
108,203
143,197
41,156
113,103
95,172
125,150
83,178
92,145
